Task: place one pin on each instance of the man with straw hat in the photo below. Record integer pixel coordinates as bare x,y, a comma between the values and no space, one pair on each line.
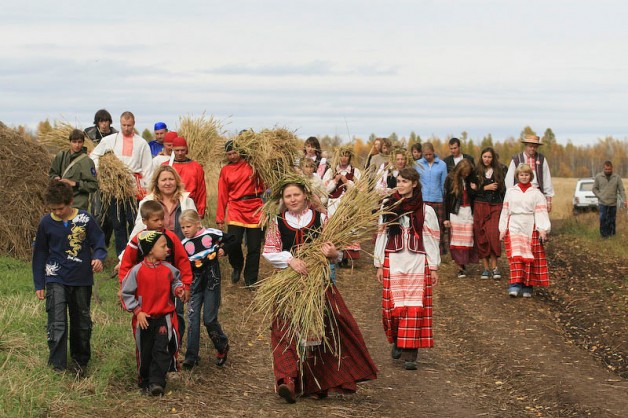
240,201
542,178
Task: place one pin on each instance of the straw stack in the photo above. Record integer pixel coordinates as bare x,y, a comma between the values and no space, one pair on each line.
24,169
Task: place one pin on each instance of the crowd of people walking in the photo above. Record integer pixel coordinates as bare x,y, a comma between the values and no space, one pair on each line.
433,207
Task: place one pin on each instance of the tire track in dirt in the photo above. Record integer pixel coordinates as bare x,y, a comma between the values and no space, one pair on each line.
518,357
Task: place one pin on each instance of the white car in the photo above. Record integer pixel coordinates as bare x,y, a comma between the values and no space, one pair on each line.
583,197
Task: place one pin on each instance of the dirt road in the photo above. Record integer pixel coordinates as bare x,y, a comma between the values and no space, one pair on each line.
494,357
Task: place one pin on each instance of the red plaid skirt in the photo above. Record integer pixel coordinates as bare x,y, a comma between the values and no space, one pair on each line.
408,326
321,369
486,229
535,273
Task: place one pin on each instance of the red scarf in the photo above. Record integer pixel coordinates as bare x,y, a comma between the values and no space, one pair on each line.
524,187
412,206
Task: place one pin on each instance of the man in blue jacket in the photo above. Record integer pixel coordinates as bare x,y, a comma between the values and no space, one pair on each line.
433,173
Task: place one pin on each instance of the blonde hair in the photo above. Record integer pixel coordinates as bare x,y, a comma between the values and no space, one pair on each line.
155,180
524,168
190,215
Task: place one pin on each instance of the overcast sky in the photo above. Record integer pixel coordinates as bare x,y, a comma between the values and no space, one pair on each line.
323,67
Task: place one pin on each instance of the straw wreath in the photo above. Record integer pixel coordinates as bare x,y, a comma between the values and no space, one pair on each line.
300,300
408,157
341,151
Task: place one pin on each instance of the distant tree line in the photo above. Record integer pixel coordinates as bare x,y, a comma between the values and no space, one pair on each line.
565,160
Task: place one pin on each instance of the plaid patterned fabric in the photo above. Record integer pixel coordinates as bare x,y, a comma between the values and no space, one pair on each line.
408,326
322,370
439,208
461,244
486,229
535,273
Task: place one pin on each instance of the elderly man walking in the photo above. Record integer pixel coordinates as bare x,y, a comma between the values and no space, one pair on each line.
542,178
607,186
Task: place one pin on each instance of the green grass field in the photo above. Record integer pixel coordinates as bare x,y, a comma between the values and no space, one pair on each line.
27,386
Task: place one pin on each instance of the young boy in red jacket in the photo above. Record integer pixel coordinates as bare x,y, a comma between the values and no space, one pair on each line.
153,217
148,291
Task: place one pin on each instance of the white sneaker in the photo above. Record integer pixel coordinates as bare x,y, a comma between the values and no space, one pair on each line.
496,274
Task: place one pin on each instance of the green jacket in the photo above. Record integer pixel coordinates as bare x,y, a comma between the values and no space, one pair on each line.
607,189
83,173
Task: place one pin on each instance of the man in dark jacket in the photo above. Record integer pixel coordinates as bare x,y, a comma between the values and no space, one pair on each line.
102,126
456,155
74,168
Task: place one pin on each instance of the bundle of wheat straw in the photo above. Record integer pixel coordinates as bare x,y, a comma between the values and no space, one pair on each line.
58,138
272,153
300,300
205,138
115,181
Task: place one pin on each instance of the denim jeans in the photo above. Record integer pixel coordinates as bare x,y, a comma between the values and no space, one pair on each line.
608,215
61,299
122,216
205,292
253,249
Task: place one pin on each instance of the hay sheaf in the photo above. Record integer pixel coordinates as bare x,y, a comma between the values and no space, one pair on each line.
205,138
272,153
115,180
24,169
57,139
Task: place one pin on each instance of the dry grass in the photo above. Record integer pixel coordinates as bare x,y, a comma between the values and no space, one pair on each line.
24,183
115,180
57,139
205,139
272,153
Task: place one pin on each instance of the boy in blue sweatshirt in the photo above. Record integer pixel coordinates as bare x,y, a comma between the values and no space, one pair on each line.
68,248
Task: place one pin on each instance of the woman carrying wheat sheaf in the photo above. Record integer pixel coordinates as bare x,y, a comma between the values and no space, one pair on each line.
310,367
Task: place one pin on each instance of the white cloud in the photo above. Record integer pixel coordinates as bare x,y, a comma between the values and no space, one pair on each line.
429,66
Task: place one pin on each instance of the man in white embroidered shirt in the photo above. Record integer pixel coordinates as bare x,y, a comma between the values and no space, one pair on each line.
134,152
